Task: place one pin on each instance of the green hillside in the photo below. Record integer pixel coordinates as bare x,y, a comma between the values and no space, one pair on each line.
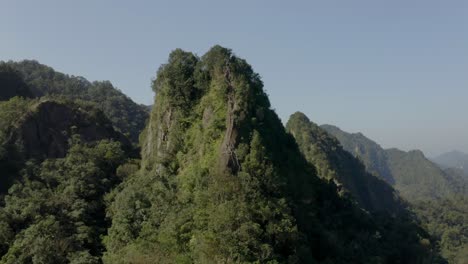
127,116
439,197
222,182
334,163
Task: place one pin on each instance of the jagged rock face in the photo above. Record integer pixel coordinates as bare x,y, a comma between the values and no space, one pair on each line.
45,131
335,163
222,181
126,116
209,152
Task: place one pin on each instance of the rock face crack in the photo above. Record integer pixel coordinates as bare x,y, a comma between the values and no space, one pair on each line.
229,158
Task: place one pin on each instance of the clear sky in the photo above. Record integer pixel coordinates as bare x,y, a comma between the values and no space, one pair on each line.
396,70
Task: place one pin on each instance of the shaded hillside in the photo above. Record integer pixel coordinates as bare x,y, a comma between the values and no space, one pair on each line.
41,129
439,197
447,220
222,182
333,162
45,131
371,154
125,115
416,177
12,84
412,174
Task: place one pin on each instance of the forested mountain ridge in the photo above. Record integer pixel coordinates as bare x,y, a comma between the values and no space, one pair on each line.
220,179
439,197
41,80
39,129
333,162
417,178
58,158
222,182
413,175
371,154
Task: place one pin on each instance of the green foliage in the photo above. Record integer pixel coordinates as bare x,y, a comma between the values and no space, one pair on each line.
447,219
417,178
10,160
12,84
334,163
369,152
219,181
222,182
438,197
55,214
127,116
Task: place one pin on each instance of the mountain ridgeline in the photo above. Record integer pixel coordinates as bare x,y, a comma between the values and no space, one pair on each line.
411,173
221,181
38,80
335,163
438,195
453,160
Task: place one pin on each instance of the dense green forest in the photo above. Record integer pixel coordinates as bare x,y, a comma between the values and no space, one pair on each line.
334,163
127,116
438,196
216,177
222,182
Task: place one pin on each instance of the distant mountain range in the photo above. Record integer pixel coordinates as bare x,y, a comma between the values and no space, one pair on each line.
415,176
453,159
438,193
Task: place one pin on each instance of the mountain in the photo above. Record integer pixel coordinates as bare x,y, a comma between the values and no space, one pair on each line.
58,158
417,178
126,116
453,159
334,163
221,181
43,128
411,173
438,196
371,154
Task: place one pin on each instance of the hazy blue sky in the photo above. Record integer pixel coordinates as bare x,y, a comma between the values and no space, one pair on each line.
396,70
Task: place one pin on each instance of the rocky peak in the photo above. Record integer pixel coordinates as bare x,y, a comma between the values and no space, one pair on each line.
45,130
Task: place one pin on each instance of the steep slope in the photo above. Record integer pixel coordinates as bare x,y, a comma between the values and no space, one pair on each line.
416,177
371,154
41,129
333,162
127,116
412,174
45,131
437,196
453,159
222,182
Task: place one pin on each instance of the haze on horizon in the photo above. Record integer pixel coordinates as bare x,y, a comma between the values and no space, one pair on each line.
394,70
